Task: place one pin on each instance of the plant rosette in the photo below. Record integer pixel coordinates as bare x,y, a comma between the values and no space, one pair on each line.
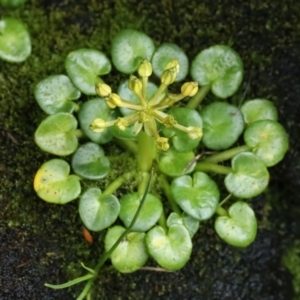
176,144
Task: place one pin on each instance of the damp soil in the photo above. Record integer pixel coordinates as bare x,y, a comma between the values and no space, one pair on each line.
42,243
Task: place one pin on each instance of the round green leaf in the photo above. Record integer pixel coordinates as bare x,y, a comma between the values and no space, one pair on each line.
180,139
218,66
53,183
268,140
131,254
249,176
190,223
15,44
129,48
170,250
89,161
240,227
259,109
222,125
197,196
125,93
57,134
98,211
89,111
149,214
55,94
84,66
175,163
166,53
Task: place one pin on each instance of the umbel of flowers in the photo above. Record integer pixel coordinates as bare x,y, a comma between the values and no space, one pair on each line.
150,111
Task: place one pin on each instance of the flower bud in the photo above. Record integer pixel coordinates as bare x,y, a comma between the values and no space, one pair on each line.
168,76
162,144
98,125
103,90
114,100
194,132
173,64
145,68
135,84
189,89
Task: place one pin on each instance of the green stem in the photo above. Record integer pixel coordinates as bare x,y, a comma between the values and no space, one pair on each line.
107,254
166,188
144,84
197,99
225,200
211,167
221,211
128,145
162,222
227,154
143,183
113,186
70,283
146,151
160,91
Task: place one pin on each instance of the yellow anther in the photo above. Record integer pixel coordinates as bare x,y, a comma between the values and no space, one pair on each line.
103,90
189,89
